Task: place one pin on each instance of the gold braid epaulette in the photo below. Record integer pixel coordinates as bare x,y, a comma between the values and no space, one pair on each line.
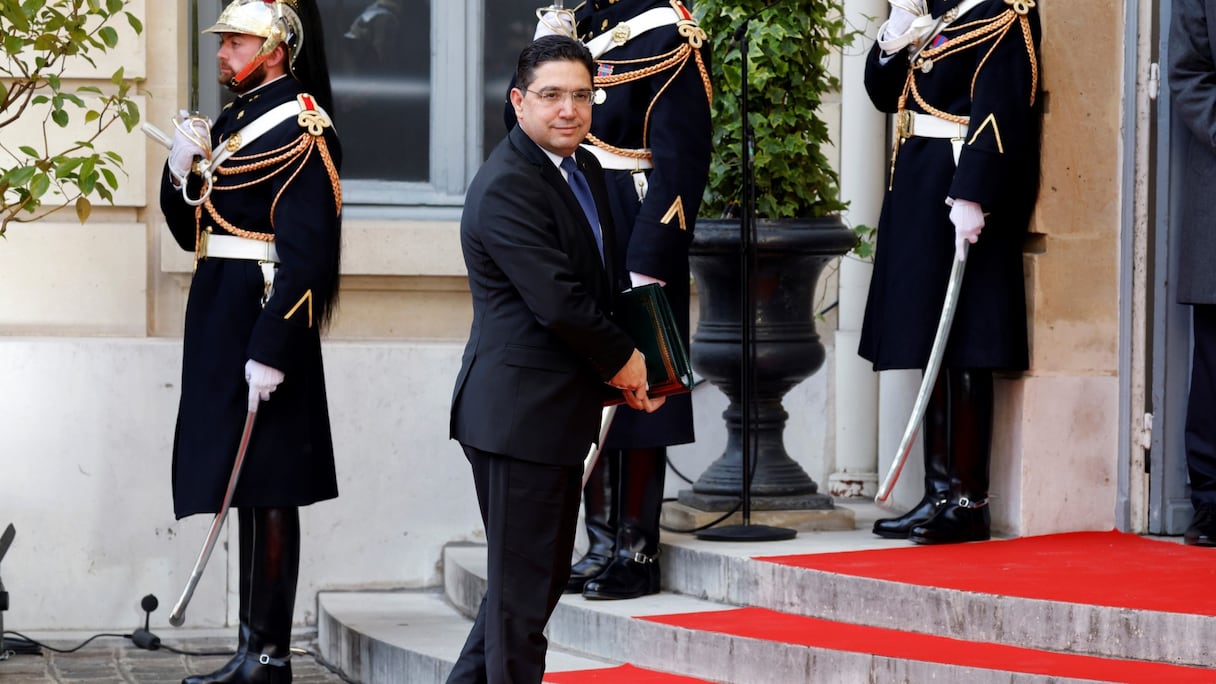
976,33
296,153
675,60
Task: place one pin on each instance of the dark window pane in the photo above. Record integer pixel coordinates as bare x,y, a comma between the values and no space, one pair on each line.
380,63
509,27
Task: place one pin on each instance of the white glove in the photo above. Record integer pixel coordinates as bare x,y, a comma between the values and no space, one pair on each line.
262,381
555,24
190,140
908,24
898,23
968,220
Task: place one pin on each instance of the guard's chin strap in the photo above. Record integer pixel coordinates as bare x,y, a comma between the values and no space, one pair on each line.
252,66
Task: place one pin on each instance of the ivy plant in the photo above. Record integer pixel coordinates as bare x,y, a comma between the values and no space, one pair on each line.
40,39
789,49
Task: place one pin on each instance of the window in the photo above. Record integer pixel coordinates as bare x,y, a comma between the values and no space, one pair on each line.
419,91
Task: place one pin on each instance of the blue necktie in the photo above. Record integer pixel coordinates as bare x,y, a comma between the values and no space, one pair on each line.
582,192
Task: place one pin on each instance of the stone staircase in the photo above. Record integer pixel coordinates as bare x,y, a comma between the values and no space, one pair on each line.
825,627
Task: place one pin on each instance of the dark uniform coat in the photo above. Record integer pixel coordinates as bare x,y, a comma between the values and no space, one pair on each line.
668,112
982,66
290,461
1192,79
541,346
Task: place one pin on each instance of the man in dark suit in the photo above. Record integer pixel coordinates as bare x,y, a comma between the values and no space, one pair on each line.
651,134
536,234
1192,79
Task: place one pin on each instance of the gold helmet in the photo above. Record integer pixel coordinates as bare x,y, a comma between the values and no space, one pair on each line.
278,21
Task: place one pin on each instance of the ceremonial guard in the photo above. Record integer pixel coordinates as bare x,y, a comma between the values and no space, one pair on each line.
651,132
962,78
256,198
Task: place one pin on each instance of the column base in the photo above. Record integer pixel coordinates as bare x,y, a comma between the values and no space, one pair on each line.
844,485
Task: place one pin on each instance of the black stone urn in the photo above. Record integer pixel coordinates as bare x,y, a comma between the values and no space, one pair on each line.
790,255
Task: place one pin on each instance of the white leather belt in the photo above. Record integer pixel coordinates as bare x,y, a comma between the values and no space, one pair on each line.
618,162
212,246
914,124
626,30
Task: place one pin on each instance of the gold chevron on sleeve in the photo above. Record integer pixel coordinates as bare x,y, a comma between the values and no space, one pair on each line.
996,132
306,298
676,210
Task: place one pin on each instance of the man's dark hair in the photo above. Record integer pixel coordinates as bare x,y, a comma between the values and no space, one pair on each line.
550,49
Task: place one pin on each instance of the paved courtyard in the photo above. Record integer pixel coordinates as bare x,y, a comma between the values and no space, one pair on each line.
110,660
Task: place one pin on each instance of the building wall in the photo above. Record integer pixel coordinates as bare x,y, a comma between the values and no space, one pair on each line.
1055,448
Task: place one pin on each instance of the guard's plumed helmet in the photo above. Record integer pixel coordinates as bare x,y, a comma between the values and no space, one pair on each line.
282,22
277,21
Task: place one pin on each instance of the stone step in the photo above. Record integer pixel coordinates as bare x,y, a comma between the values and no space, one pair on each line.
405,637
801,650
730,573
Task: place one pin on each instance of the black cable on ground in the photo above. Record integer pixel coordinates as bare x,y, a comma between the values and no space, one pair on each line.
25,645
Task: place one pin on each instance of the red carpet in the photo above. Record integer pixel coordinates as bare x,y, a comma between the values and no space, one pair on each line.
625,674
759,623
1096,568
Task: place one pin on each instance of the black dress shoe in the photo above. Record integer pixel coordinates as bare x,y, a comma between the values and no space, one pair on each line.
625,578
921,513
1202,531
955,523
587,568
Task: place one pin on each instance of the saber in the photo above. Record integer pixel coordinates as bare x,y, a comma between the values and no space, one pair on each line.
194,34
178,616
593,454
936,352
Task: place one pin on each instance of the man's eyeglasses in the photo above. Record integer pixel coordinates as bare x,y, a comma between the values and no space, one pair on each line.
552,97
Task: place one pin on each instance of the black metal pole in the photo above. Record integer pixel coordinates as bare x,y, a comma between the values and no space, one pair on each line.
747,320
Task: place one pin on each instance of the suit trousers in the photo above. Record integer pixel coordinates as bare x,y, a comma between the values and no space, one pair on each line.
1201,408
530,512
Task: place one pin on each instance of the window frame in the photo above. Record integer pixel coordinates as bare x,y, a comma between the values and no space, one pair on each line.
456,138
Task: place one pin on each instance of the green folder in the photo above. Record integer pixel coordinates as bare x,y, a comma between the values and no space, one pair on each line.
644,313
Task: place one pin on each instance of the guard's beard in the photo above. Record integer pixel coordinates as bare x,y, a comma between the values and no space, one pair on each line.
256,78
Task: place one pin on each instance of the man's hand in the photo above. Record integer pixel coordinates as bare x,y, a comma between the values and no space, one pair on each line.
262,381
189,141
631,380
968,220
555,24
899,22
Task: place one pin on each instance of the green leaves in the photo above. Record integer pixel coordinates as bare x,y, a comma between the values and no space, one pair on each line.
789,49
51,171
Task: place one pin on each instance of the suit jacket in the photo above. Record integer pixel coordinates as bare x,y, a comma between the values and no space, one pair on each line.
1192,79
541,346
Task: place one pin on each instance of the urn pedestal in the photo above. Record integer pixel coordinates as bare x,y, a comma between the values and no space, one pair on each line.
789,258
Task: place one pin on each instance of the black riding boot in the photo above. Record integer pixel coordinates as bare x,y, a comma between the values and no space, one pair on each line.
965,518
936,442
600,516
268,590
634,570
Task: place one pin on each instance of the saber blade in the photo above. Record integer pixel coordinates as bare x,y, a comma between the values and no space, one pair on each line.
178,616
883,497
194,38
593,454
